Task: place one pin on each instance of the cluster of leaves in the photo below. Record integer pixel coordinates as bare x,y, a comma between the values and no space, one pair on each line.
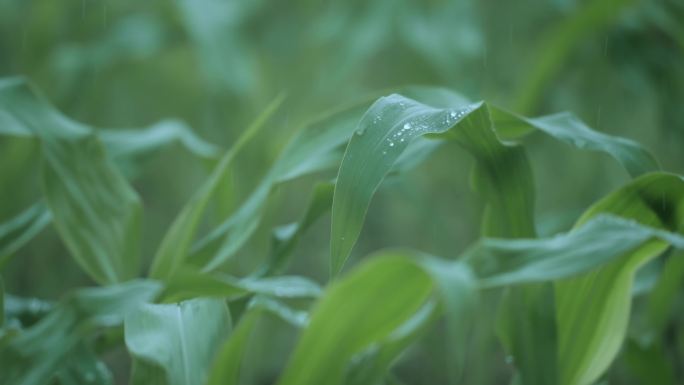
563,300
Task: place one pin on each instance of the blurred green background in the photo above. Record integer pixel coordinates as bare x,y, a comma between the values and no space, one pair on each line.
215,64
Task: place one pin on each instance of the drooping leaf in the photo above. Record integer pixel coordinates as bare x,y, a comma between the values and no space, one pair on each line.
569,129
603,239
95,211
174,344
188,282
128,143
385,132
120,143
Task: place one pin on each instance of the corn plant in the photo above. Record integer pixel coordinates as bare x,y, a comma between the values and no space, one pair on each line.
559,304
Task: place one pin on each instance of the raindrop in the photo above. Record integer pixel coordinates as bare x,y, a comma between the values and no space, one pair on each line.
407,126
391,144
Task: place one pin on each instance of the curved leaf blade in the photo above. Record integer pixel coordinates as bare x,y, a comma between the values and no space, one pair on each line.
355,312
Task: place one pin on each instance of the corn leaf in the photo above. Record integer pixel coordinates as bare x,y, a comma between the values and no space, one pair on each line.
34,355
95,211
175,246
593,309
359,310
18,231
174,344
188,282
226,367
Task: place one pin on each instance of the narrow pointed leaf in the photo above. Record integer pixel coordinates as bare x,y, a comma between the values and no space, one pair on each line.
175,246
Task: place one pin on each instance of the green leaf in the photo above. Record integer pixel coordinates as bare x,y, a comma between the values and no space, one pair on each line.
2,303
601,240
372,365
662,299
386,130
84,367
226,367
95,211
34,355
18,231
285,238
526,327
174,344
311,150
649,365
359,310
188,282
128,143
569,129
593,309
175,246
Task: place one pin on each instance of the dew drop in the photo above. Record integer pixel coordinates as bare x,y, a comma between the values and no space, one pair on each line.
407,126
391,144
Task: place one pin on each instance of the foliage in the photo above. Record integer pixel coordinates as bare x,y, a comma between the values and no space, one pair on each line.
181,262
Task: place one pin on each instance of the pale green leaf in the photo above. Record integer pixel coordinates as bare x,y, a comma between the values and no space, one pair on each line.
359,310
174,344
593,309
